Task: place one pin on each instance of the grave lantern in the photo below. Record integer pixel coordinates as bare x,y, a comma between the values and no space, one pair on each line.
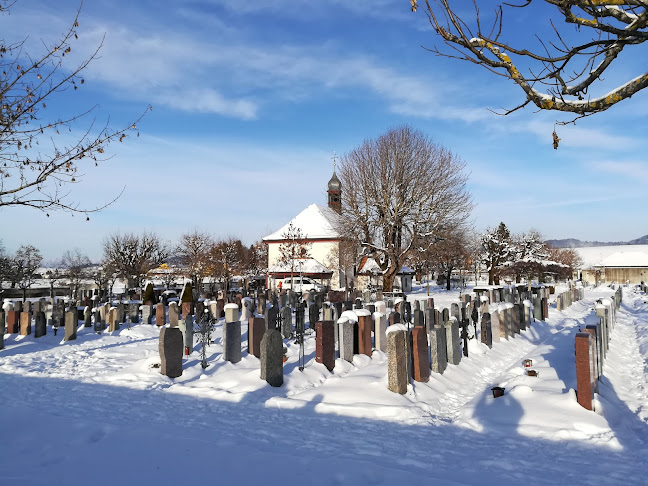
532,373
498,391
528,363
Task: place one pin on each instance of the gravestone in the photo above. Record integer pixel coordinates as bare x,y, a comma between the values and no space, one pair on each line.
380,332
98,323
87,316
486,331
220,308
247,309
286,322
271,317
3,324
358,304
495,323
13,321
420,357
231,312
394,318
71,323
313,316
170,347
18,306
256,330
121,312
133,312
232,341
584,370
113,324
25,323
174,315
160,315
545,308
537,309
438,349
325,344
261,305
453,342
186,328
149,296
364,332
200,310
397,358
381,307
272,358
527,313
418,318
338,309
345,338
327,313
503,321
186,300
147,314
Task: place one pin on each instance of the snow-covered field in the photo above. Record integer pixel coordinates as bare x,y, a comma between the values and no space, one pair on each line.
95,411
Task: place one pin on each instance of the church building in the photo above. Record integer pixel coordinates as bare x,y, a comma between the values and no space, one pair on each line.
319,226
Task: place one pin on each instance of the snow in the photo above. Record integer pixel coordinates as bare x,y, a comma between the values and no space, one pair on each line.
596,255
315,222
96,411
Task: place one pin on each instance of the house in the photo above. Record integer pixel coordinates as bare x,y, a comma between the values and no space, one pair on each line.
614,264
319,226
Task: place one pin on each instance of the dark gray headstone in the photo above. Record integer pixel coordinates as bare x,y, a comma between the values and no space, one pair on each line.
99,325
272,358
40,325
133,312
346,330
171,346
438,349
232,341
486,330
87,317
313,316
286,323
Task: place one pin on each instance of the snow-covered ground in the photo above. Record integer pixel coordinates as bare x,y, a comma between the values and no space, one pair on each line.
95,411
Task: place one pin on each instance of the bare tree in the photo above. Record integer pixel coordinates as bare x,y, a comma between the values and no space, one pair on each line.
53,274
567,66
227,258
403,189
193,252
31,174
5,265
133,256
496,249
26,262
569,259
449,254
76,266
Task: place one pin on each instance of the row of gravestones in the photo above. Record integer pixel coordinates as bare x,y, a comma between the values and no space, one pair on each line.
643,287
591,348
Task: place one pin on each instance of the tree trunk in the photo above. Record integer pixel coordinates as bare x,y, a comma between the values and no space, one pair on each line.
491,276
448,279
388,282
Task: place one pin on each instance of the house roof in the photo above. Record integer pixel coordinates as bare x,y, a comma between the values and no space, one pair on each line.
316,222
626,256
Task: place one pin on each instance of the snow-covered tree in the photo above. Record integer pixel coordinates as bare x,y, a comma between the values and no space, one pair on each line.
569,259
568,66
530,255
496,249
403,190
226,258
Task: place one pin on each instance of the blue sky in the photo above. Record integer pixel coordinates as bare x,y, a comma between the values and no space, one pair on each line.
251,99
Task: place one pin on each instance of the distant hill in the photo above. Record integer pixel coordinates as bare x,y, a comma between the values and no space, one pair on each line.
574,243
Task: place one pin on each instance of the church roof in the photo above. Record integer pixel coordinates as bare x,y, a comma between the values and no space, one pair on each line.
315,222
334,184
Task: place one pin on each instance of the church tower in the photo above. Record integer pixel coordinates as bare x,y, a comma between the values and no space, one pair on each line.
335,194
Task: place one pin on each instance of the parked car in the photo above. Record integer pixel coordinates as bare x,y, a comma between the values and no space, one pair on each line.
301,284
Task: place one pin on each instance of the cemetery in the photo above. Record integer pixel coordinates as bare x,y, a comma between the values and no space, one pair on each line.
539,363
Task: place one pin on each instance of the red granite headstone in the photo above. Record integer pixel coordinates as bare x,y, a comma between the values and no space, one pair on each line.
364,335
256,329
12,320
160,317
220,308
186,309
25,323
584,389
325,344
420,356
